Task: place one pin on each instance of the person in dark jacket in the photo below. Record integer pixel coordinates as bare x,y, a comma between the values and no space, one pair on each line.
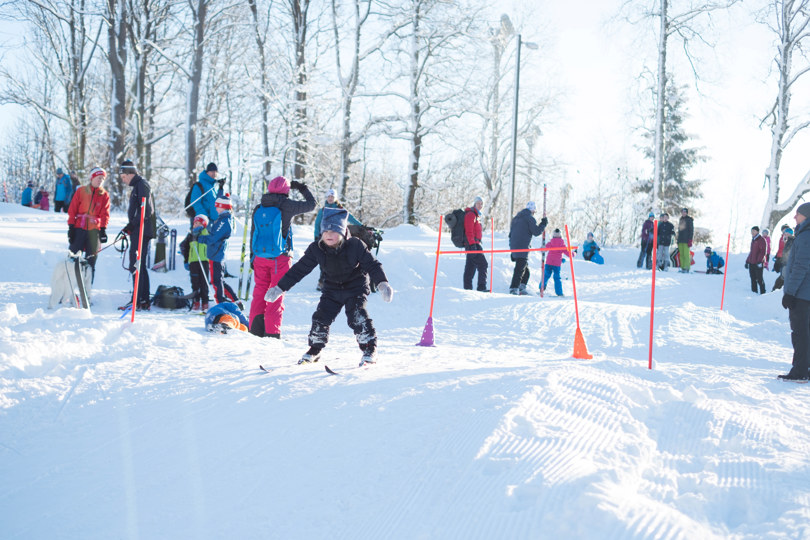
27,198
347,266
331,202
756,260
140,190
647,229
686,231
666,230
270,245
523,227
473,235
796,296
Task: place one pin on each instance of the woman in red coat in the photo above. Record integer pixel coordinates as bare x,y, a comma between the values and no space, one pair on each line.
88,215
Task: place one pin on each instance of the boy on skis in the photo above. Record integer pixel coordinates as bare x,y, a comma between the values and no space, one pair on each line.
217,242
195,256
347,266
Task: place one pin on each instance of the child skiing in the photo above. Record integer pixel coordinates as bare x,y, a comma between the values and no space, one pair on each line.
347,266
195,256
217,241
554,262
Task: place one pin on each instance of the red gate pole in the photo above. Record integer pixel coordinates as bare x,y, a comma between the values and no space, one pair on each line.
723,296
492,256
580,349
543,263
138,261
427,333
652,296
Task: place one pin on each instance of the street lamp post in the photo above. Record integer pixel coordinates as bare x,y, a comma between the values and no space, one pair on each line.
530,45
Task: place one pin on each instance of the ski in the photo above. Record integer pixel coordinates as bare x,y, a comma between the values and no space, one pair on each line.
72,288
797,381
77,268
329,371
244,238
261,367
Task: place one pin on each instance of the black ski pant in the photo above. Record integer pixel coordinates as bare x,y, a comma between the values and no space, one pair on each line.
143,275
199,285
86,242
475,262
646,251
354,302
222,291
60,205
799,316
521,273
755,271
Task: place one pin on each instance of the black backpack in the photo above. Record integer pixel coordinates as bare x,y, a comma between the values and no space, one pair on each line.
455,220
187,203
171,298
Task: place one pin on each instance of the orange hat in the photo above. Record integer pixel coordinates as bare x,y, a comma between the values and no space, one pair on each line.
232,322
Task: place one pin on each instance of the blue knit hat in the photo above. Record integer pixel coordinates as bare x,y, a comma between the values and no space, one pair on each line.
335,219
59,171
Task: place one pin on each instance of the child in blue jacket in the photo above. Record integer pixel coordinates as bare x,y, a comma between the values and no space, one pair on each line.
714,262
219,231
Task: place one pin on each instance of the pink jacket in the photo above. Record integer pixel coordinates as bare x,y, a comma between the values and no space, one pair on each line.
554,257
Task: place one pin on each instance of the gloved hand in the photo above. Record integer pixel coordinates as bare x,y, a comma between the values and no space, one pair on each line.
102,235
221,183
273,294
544,221
386,291
71,233
295,184
746,266
477,247
689,243
186,266
124,231
788,301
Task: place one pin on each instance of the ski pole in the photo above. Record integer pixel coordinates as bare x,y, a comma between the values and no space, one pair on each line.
138,261
192,203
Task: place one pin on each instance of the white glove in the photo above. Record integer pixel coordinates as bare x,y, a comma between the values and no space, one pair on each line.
386,291
273,294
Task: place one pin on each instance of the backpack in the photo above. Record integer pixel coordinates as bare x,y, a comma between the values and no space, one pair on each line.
267,241
171,298
371,237
190,212
455,220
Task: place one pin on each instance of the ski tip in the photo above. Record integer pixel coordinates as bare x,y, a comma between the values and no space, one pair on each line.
261,367
329,371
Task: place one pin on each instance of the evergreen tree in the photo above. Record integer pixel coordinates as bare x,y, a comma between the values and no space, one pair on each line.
678,190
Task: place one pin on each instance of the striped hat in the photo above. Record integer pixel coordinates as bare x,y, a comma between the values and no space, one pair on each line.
224,202
97,171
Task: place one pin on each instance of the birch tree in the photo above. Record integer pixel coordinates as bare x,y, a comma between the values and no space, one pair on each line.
790,21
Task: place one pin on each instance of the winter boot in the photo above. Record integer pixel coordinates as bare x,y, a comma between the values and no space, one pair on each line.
204,305
195,306
369,353
257,327
312,355
513,291
522,290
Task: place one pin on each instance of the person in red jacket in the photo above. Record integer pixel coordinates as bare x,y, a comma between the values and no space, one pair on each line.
473,234
554,263
756,260
88,215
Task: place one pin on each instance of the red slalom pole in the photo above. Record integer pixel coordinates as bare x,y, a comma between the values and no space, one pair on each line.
492,256
543,262
723,296
427,333
580,349
573,281
138,261
652,296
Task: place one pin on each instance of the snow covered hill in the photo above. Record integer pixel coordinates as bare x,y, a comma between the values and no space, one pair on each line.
158,429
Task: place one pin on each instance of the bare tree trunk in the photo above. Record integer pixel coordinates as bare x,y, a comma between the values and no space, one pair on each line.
299,16
194,83
660,105
264,102
792,25
415,127
117,55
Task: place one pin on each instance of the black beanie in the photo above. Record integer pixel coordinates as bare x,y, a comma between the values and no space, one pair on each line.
804,209
211,167
127,167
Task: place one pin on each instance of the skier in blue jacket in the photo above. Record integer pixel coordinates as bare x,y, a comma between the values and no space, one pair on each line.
217,242
28,194
62,192
207,203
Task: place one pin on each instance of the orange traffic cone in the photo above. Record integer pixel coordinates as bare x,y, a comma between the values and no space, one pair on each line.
580,349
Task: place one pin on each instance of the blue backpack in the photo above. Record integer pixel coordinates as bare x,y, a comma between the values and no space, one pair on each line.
267,241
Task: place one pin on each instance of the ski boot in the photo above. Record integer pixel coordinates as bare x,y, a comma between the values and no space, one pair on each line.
312,355
195,306
369,354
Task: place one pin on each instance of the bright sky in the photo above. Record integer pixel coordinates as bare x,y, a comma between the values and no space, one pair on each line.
598,64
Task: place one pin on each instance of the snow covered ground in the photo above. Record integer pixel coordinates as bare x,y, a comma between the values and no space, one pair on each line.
158,429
